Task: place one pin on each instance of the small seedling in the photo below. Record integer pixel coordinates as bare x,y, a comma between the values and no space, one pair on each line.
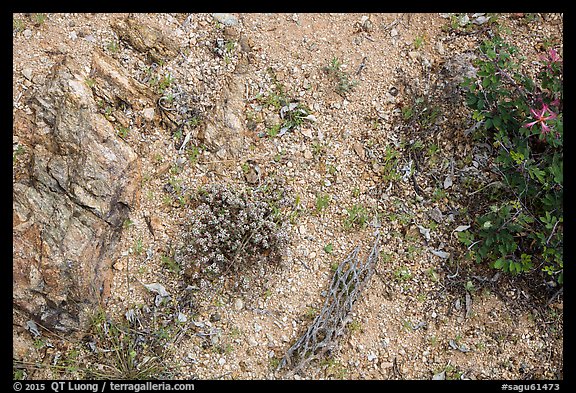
355,326
418,42
274,363
322,202
193,154
112,46
432,274
318,148
385,257
38,19
19,151
328,248
331,169
170,263
402,274
123,132
334,71
138,247
18,25
127,223
357,216
407,112
311,313
439,194
165,82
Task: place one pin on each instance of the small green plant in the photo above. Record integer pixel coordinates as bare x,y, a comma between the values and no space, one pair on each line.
311,313
90,82
334,368
322,202
274,362
19,151
123,132
328,248
418,42
385,257
138,247
407,112
432,274
193,154
357,216
292,112
112,46
18,25
469,286
438,194
170,264
127,223
318,148
39,343
344,84
38,19
354,326
402,274
162,83
433,150
389,169
452,372
108,112
331,169
407,325
18,374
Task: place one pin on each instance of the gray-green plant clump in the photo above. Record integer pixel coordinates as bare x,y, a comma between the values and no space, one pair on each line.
231,228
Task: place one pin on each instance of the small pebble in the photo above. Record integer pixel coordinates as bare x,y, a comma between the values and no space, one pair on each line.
226,19
215,317
148,113
306,132
27,33
238,304
27,72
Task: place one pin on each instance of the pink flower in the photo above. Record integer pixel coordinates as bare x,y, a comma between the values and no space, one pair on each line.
540,117
554,58
551,59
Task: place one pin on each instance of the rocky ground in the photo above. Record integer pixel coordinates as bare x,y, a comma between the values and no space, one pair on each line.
190,100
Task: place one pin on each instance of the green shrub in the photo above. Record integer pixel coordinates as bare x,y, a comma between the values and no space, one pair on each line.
522,228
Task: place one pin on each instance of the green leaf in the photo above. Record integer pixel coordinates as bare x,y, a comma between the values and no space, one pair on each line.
497,122
499,263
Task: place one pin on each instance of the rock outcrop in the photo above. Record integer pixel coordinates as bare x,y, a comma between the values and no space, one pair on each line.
68,214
